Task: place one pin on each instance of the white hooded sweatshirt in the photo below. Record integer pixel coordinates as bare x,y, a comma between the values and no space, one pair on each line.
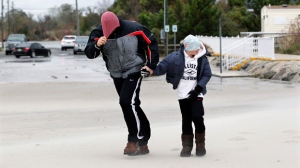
189,79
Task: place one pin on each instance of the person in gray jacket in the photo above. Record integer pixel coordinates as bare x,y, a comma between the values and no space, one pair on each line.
126,47
188,70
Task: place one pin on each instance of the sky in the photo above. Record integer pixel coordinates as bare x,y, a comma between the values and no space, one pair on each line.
41,7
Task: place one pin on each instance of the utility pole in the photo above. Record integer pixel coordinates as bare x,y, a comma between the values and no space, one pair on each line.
13,18
77,20
165,23
220,34
2,33
7,17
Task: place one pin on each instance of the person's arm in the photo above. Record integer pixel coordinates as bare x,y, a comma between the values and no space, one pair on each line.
206,74
162,67
92,50
151,49
204,78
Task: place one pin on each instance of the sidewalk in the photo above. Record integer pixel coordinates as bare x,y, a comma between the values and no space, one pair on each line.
286,57
228,74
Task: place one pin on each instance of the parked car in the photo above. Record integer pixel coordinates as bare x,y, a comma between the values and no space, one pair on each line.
31,49
67,42
12,41
80,43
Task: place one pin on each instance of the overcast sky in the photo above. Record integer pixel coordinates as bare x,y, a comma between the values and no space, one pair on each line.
42,6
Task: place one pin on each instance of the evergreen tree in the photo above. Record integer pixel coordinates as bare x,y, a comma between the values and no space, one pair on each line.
176,17
236,18
126,9
201,17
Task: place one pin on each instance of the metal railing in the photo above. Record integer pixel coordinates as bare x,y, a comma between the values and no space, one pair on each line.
237,50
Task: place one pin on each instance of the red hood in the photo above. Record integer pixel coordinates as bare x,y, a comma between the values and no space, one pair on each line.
109,23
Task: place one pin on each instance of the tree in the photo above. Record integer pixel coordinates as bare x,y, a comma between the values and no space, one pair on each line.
176,13
44,26
153,6
126,9
236,3
89,22
236,18
66,16
201,17
21,21
290,44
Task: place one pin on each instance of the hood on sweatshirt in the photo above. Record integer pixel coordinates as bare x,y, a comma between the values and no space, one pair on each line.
201,52
109,22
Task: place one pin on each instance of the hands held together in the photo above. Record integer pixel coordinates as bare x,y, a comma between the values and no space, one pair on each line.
146,71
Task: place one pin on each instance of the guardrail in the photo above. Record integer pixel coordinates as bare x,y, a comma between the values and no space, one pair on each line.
238,50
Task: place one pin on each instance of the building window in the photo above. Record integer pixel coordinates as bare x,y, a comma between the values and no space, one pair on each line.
279,20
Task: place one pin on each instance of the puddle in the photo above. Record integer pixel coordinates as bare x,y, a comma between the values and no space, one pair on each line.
26,61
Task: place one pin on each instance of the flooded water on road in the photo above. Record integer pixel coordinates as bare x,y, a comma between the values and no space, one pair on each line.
63,66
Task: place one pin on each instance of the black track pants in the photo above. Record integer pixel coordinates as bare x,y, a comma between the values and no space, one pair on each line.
137,123
192,111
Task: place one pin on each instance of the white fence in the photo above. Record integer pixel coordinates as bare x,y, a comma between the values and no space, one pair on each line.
235,49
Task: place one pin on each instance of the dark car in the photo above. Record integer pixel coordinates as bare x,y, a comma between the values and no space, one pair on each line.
31,49
80,43
13,40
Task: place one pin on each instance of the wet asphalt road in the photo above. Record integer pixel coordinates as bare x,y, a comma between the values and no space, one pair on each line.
61,66
64,66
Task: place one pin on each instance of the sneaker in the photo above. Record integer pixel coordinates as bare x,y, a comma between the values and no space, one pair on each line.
130,148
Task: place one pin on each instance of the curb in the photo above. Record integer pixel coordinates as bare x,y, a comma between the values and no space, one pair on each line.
232,76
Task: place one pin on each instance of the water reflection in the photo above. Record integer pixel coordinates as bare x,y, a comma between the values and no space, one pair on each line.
26,61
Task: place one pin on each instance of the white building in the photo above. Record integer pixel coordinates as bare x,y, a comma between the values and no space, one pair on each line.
276,18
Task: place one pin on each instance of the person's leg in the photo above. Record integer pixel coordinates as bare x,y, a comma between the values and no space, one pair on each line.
198,120
187,129
197,115
136,120
186,114
118,82
132,144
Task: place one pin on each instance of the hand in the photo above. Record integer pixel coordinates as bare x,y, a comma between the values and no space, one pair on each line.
148,70
193,94
101,41
145,73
